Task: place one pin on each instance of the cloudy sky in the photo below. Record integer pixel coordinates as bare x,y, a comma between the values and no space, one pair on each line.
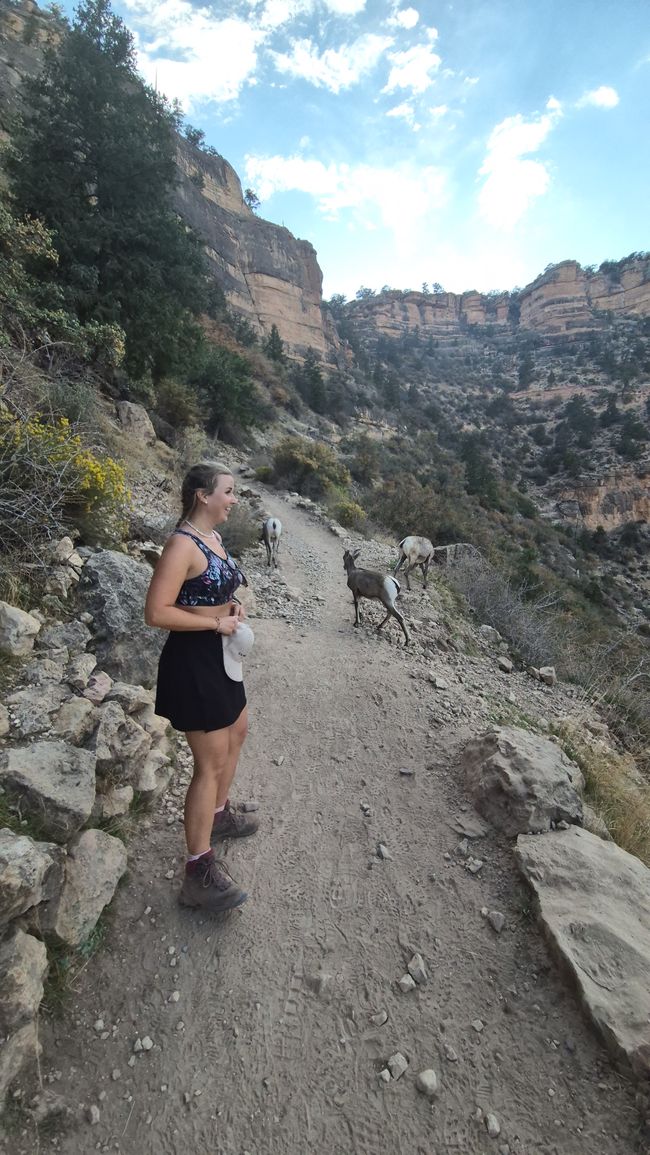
467,143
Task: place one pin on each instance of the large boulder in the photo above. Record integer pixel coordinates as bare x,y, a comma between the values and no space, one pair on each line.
593,904
17,631
120,745
96,862
56,782
521,782
114,588
72,637
30,709
136,422
26,868
23,966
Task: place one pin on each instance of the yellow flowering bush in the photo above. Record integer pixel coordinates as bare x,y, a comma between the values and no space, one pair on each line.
50,481
349,513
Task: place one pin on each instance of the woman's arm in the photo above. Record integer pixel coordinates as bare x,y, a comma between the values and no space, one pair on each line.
160,610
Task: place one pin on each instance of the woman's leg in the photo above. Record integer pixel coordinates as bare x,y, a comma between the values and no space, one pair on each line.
211,751
236,737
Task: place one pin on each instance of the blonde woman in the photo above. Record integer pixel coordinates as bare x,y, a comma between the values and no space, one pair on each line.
193,595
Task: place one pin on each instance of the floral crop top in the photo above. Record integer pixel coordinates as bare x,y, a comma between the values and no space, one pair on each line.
216,585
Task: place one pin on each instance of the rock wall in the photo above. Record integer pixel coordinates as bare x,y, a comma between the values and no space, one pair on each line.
565,300
267,274
610,501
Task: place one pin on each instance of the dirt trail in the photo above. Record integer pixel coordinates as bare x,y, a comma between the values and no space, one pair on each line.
269,1049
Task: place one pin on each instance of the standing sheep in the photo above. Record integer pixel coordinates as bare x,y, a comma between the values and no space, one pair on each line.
415,551
366,583
271,532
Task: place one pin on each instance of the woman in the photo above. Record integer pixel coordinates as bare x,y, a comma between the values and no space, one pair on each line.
192,594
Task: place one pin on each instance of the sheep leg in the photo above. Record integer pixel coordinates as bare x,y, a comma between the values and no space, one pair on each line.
406,575
400,563
357,616
397,614
425,569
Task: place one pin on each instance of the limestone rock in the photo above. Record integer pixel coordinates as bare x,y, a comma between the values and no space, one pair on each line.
79,670
31,708
75,720
4,720
56,782
72,636
18,1052
521,782
113,588
120,745
114,803
130,698
427,1083
96,862
17,631
547,675
136,422
97,687
23,966
25,866
154,777
593,904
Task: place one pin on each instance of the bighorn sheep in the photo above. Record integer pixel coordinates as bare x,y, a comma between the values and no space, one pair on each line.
415,551
365,583
271,531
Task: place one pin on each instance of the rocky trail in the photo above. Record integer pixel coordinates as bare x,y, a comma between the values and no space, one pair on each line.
266,1031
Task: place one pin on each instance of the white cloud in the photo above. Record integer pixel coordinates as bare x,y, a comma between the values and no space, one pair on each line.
191,55
399,198
512,182
334,69
412,68
345,7
603,97
404,18
405,111
438,111
275,13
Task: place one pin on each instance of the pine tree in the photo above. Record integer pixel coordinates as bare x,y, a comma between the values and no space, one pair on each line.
274,346
93,158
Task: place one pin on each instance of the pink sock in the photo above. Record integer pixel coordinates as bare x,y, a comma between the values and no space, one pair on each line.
220,809
193,857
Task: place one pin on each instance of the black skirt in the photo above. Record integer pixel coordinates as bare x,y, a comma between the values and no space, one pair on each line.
194,690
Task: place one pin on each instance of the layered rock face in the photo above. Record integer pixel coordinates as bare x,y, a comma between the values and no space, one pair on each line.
566,299
266,273
609,502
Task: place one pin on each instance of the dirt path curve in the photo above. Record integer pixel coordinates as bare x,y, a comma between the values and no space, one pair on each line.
270,1048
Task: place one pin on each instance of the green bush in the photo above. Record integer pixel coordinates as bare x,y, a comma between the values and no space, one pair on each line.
349,514
241,532
177,403
308,466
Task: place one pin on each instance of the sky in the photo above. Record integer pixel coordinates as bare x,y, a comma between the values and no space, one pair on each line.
467,144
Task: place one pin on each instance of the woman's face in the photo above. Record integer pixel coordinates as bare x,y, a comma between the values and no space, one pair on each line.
221,500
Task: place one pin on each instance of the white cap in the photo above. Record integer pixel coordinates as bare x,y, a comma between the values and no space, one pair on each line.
235,647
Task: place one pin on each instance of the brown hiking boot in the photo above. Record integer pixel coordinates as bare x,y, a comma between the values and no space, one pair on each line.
231,823
208,885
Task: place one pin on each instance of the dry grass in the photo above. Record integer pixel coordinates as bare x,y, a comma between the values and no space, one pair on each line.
613,787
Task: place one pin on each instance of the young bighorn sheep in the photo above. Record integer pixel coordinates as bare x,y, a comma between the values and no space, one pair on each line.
271,531
366,583
415,551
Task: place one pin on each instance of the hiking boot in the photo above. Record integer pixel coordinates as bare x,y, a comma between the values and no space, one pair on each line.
232,823
208,885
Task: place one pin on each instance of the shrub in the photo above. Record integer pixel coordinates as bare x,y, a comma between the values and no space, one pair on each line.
50,481
349,514
308,466
177,403
241,531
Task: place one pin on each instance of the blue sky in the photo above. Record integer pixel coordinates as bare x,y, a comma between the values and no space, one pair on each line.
468,143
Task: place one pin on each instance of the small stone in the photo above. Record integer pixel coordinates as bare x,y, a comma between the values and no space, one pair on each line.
478,1025
98,1025
406,983
474,865
131,1062
383,852
496,920
417,969
174,996
92,1114
137,1046
116,1074
427,1083
407,771
397,1065
505,665
385,1075
278,761
169,874
379,1019
250,807
147,1043
492,1126
462,850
